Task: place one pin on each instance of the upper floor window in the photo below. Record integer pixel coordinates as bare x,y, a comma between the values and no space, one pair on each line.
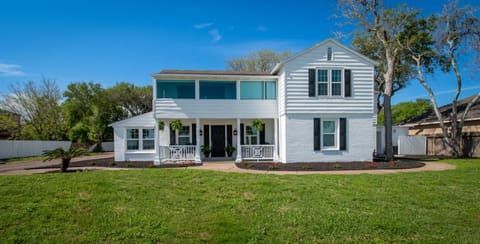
329,54
183,89
258,90
330,82
218,89
140,139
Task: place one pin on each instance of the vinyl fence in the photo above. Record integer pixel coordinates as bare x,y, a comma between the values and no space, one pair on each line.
412,145
15,149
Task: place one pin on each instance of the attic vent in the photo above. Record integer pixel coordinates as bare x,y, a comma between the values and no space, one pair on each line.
329,53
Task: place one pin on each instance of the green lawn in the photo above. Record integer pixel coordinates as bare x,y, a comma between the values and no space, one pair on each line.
185,205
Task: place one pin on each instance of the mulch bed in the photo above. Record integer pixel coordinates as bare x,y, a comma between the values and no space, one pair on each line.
109,162
403,164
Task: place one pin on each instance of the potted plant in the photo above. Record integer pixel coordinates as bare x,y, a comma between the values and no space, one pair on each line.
206,150
257,124
176,124
161,125
229,149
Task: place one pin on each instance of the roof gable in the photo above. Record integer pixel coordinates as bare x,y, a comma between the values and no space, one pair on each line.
142,120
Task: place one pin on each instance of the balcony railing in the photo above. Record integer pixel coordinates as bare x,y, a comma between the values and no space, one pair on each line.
177,153
257,152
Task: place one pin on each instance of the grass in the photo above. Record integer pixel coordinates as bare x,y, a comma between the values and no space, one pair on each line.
185,206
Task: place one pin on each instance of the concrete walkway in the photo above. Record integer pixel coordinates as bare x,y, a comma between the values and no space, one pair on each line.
19,167
230,167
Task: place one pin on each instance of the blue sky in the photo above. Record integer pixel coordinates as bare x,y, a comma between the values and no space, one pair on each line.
113,41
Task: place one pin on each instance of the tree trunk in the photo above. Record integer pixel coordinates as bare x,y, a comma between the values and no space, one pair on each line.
388,127
65,163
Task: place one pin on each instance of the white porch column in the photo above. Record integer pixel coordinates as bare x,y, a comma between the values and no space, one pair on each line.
198,159
239,146
156,159
275,139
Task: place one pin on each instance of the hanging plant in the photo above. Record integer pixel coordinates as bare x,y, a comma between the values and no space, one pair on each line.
176,124
161,125
257,124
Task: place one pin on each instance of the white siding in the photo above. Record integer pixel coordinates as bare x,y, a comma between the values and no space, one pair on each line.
119,143
183,108
297,97
300,144
282,138
281,92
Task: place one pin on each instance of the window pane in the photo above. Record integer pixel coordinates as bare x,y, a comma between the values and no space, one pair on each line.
176,89
250,130
251,90
322,75
218,90
328,140
271,87
254,140
183,140
132,144
185,131
148,144
323,89
336,75
336,89
132,133
148,133
328,127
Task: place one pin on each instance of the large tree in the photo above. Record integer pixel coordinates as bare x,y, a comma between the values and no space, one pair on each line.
407,110
382,25
261,61
444,40
39,106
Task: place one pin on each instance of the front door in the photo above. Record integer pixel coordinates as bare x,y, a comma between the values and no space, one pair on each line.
218,140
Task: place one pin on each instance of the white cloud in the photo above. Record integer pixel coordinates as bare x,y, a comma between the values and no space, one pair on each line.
216,36
261,28
202,26
11,70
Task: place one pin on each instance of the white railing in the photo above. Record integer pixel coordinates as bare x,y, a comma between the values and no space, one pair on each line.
177,152
256,152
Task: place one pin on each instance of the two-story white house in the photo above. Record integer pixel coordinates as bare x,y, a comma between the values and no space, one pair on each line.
317,106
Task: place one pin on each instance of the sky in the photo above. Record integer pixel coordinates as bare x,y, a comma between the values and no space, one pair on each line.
113,41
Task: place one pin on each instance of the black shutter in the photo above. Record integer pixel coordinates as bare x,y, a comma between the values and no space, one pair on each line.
172,136
206,135
348,83
229,135
311,82
343,134
316,134
194,134
242,131
262,135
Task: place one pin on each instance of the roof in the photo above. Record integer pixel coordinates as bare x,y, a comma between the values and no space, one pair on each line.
430,117
320,44
142,120
211,72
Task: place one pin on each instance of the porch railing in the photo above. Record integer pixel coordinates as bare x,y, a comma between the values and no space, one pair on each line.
177,152
257,152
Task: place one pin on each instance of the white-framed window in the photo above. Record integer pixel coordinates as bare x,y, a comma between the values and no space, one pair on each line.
140,139
329,134
251,135
330,82
184,136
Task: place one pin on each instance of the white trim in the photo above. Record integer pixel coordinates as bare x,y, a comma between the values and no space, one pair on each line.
214,77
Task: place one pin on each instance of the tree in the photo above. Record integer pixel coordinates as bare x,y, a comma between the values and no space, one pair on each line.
66,156
382,25
261,61
445,39
40,109
407,110
133,100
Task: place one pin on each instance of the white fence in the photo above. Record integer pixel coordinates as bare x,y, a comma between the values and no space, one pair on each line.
177,153
412,145
255,152
15,149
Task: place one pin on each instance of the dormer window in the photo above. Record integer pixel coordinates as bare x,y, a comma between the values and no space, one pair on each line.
329,54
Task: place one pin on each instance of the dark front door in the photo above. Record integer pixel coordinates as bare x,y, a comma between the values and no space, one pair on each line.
218,140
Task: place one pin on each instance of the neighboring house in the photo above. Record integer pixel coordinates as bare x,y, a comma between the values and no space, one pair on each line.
317,106
427,125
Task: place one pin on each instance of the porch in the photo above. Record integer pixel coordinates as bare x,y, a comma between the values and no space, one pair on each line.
216,140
